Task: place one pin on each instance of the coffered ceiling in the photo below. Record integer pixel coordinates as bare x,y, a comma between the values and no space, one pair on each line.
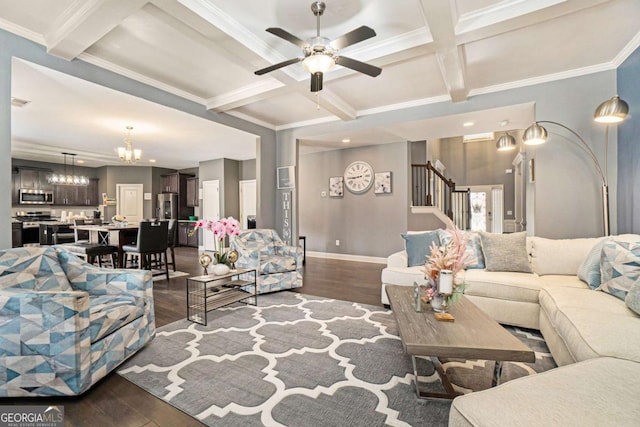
429,50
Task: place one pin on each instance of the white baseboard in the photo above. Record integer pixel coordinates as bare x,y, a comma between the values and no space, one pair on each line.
347,257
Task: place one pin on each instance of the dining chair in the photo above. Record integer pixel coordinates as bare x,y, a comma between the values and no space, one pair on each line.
151,240
172,240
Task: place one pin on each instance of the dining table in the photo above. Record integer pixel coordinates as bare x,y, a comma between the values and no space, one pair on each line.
111,234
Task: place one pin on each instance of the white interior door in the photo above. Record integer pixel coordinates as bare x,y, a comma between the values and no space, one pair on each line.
210,210
129,201
248,202
486,208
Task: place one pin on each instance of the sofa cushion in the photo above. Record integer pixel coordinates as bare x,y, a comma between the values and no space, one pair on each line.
559,256
403,276
503,285
111,312
598,392
41,262
418,246
620,267
474,247
505,252
633,297
591,323
276,264
20,280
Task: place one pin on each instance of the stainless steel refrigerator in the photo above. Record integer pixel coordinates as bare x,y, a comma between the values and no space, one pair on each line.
167,206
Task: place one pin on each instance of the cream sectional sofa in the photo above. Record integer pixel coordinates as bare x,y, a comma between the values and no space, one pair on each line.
593,336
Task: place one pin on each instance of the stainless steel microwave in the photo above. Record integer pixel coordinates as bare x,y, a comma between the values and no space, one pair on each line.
35,197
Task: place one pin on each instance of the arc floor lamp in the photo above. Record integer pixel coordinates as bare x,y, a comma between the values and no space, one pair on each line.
611,111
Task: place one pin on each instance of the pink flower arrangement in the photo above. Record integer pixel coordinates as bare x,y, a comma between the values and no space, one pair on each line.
221,229
452,256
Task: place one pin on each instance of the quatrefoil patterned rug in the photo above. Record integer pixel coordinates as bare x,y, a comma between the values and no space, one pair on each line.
299,360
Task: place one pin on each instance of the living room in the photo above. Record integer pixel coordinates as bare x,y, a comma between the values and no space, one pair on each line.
566,186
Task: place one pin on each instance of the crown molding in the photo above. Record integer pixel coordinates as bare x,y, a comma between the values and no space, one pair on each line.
99,62
22,32
577,72
627,50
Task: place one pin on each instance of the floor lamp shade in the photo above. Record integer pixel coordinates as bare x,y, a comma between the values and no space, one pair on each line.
612,110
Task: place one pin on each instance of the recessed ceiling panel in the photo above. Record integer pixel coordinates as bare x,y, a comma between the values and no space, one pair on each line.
154,44
23,13
405,81
589,37
285,109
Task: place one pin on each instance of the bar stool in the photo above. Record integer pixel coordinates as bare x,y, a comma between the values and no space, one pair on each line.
152,240
172,240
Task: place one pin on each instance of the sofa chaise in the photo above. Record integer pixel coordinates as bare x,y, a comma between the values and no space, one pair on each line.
593,336
65,324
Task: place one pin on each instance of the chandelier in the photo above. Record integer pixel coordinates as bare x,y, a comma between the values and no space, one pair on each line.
128,154
68,178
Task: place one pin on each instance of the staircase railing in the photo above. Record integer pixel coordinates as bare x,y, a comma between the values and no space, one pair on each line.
432,188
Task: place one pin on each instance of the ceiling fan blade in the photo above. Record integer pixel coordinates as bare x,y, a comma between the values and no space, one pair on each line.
283,34
316,82
278,65
353,37
358,66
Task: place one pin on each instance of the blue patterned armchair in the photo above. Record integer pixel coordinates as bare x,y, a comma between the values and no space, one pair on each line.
65,324
279,266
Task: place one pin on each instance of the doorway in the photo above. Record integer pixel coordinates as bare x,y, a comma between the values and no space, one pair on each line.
129,201
486,207
210,210
248,202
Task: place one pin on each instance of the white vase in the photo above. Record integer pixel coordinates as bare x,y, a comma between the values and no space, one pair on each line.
220,269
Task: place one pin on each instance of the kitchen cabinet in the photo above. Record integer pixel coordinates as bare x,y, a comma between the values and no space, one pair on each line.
16,234
171,183
192,192
184,228
34,179
77,195
15,187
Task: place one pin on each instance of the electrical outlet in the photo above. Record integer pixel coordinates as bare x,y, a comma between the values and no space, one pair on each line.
508,171
337,242
509,212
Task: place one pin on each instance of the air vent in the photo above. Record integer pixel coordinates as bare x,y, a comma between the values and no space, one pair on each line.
487,136
17,102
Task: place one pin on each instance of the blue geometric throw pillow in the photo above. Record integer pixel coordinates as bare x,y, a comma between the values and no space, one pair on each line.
619,267
418,246
589,270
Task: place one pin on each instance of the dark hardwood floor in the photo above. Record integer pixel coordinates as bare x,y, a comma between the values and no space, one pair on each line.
115,401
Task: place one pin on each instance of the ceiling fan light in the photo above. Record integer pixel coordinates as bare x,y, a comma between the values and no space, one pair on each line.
613,110
506,143
318,63
535,135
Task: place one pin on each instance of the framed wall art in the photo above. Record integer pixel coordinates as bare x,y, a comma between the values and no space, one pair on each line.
286,177
382,183
336,186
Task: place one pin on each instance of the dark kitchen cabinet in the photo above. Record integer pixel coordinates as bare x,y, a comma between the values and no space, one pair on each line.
192,192
171,183
34,179
15,187
77,195
184,228
16,234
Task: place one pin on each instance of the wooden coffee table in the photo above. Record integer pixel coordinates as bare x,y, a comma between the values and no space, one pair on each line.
473,335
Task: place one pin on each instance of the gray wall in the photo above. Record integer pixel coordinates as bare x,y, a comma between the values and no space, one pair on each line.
12,45
629,147
479,163
114,175
366,224
227,172
567,200
247,170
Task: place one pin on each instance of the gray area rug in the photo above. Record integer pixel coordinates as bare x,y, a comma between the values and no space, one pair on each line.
299,360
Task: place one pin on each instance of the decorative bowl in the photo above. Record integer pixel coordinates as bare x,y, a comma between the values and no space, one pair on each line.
193,218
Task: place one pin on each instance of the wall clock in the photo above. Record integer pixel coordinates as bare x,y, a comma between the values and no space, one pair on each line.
358,177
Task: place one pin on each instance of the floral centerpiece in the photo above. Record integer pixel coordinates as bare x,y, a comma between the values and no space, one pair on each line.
221,229
452,256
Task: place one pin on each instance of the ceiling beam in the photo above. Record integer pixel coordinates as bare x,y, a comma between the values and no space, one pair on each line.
440,19
332,103
85,22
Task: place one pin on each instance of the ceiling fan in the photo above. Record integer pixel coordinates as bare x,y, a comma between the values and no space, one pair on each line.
321,53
